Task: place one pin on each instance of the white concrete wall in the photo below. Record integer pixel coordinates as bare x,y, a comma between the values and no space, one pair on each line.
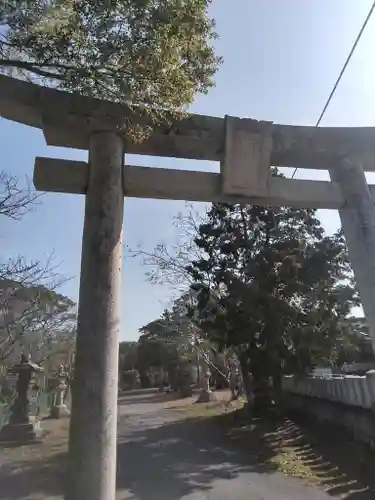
351,390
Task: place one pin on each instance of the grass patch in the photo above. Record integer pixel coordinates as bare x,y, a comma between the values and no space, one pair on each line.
192,410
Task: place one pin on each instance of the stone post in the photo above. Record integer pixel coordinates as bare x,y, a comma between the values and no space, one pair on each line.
358,222
93,426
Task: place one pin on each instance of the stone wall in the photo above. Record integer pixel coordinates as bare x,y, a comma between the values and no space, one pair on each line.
347,401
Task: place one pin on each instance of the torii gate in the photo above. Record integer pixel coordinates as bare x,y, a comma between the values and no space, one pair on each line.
246,149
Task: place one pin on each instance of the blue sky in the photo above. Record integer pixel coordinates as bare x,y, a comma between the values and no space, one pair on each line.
281,59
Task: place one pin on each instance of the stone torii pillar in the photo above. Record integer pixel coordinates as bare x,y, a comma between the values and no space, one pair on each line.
93,425
357,216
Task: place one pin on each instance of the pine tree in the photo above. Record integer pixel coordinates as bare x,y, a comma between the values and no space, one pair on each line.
275,287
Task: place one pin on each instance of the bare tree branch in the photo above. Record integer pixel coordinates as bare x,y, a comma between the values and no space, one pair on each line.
166,265
15,201
30,307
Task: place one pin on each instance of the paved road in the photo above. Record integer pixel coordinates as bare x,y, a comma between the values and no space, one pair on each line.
161,458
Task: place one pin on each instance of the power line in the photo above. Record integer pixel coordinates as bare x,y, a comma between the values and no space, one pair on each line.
343,70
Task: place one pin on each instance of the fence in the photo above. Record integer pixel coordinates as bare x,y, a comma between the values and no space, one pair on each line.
350,390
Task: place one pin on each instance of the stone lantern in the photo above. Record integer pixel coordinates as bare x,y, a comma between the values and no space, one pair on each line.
21,426
59,408
206,395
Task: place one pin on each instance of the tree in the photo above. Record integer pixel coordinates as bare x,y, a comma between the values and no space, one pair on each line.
128,360
355,347
273,286
185,344
167,265
173,337
152,353
33,315
153,53
33,318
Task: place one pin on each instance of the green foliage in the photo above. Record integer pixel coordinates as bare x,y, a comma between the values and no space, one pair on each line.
151,353
128,356
272,285
154,53
184,344
128,360
356,345
175,330
129,379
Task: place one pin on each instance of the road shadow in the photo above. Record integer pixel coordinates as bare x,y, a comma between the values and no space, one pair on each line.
28,478
323,455
346,468
163,462
180,458
37,469
187,456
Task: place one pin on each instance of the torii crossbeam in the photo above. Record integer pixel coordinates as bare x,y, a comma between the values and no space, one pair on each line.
245,149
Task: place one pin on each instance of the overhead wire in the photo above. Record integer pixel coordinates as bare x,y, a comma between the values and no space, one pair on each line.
343,70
